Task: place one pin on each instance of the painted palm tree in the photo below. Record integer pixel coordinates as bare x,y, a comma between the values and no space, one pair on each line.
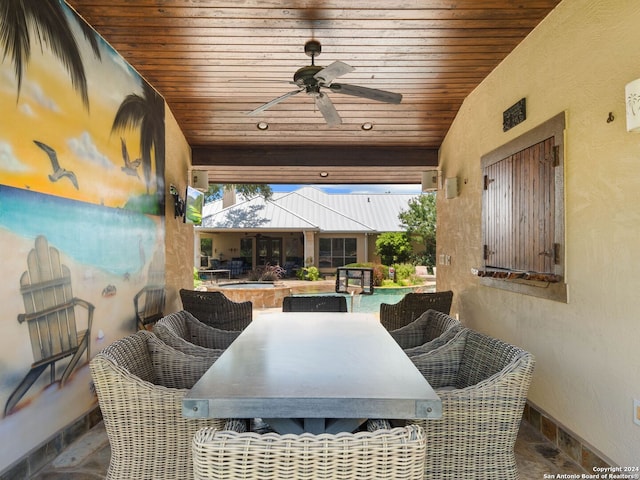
146,112
47,22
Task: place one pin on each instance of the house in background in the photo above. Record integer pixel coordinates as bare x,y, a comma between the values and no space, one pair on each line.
306,227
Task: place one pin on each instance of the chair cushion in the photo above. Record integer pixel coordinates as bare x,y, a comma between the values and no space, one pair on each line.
440,366
411,335
435,343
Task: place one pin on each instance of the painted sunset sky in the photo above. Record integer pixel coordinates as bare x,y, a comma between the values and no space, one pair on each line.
48,110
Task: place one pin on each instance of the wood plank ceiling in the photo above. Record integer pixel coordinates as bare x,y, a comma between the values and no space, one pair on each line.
215,61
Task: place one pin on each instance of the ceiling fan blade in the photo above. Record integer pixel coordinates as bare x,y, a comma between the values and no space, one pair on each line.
335,70
328,111
364,92
259,80
275,101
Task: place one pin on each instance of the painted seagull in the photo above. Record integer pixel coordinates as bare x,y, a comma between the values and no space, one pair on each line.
58,171
129,166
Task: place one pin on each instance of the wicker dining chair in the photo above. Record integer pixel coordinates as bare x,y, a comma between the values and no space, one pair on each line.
186,333
412,305
424,329
315,303
483,384
216,310
396,453
140,382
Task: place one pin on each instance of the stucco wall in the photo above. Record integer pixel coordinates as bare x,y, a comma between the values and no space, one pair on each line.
588,363
179,236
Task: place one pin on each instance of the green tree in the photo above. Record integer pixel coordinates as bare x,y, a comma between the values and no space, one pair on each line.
248,190
393,247
419,222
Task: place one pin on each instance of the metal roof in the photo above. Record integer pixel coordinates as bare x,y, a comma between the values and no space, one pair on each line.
309,208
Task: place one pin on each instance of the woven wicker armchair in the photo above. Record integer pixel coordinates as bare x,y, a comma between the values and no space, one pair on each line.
396,453
140,383
483,384
186,333
315,303
216,310
425,329
412,306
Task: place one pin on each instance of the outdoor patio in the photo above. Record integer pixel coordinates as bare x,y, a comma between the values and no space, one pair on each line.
88,458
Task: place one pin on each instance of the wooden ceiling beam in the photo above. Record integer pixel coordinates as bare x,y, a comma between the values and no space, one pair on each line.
318,156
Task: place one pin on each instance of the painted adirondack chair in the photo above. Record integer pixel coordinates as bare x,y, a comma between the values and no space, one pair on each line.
50,315
149,301
149,305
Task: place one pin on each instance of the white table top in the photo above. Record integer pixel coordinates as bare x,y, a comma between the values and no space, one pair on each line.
313,365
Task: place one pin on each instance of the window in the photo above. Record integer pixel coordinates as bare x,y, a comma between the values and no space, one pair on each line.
523,213
337,252
246,252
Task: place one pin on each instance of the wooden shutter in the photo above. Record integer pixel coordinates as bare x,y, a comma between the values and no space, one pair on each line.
519,210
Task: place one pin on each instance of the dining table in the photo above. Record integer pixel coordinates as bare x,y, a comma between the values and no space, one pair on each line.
313,372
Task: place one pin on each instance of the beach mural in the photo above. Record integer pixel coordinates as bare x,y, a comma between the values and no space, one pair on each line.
82,146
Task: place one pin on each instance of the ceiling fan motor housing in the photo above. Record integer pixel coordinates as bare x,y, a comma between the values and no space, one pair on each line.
305,77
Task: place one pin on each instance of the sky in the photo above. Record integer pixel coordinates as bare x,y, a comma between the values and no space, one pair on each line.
408,189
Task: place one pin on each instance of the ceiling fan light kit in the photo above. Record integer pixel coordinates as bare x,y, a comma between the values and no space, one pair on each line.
311,79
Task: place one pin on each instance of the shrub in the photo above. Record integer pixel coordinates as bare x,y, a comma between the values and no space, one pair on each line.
196,278
308,273
403,271
268,273
424,258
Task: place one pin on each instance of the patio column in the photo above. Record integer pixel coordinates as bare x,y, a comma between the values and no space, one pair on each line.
196,248
309,247
366,247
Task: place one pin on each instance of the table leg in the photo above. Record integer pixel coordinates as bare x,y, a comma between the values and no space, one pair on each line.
285,425
314,425
337,425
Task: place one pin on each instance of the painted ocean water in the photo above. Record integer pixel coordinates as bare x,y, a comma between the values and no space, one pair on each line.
114,240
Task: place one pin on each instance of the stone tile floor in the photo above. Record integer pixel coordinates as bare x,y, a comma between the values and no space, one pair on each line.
88,458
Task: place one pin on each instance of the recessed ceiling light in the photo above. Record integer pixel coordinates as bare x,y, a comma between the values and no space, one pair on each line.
262,125
324,174
367,126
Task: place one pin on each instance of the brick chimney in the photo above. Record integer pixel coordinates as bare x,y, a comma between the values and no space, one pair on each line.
228,197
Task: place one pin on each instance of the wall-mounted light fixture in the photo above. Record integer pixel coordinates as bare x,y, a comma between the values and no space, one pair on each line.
262,125
366,126
632,100
200,179
430,180
451,187
324,174
177,202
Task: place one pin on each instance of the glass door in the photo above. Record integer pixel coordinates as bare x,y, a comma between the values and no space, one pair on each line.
269,251
246,252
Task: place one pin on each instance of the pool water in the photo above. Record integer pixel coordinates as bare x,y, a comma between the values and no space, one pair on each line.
371,303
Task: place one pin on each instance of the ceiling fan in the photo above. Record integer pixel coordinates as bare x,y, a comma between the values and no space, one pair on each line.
313,79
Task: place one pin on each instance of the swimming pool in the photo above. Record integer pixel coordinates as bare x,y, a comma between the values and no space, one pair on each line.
270,295
371,303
